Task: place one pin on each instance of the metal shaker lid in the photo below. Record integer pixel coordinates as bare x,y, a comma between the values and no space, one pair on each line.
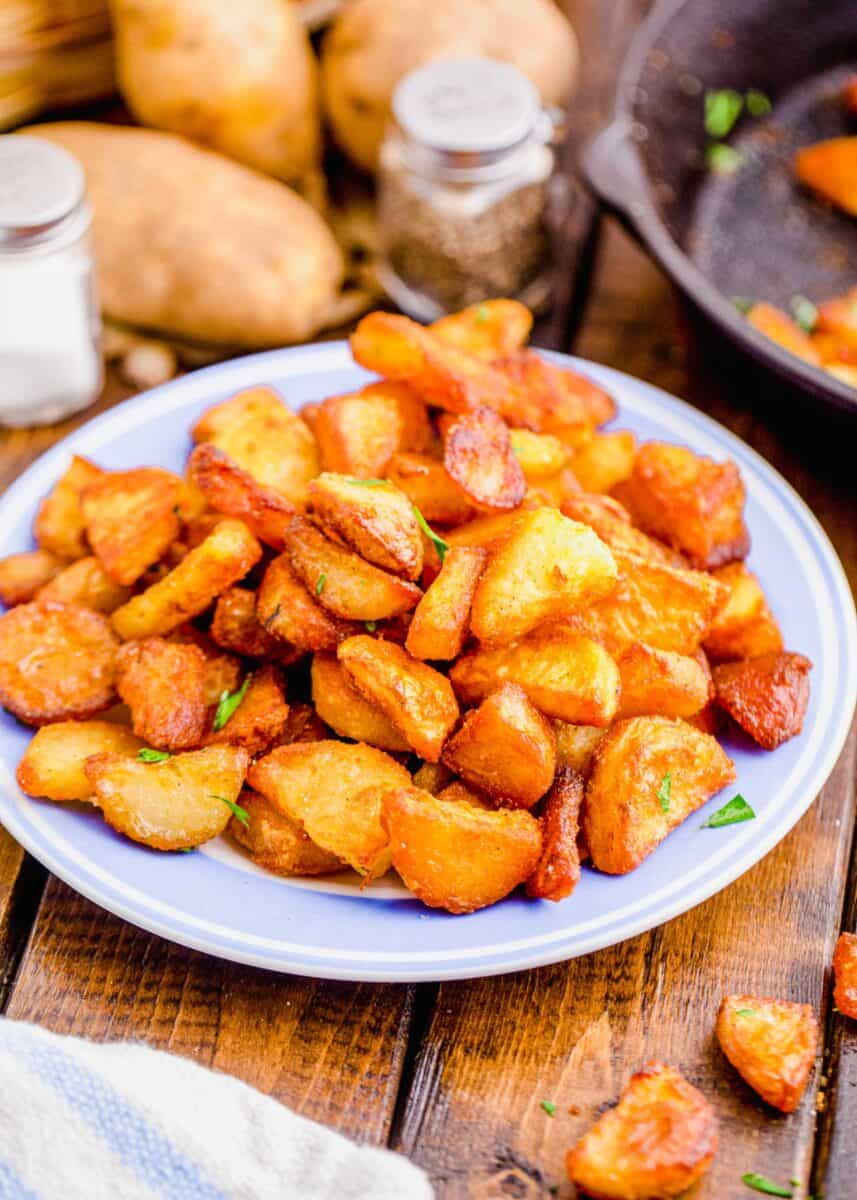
42,187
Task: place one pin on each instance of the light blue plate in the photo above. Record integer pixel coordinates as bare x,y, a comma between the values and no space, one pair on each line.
215,900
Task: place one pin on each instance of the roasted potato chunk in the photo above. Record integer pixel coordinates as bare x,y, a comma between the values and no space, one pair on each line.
433,777
222,671
225,556
131,517
287,611
478,456
605,461
844,974
661,683
172,805
558,869
373,518
57,662
491,530
358,434
548,567
744,627
417,699
442,617
541,455
303,724
648,775
506,748
766,696
547,398
341,706
428,486
59,526
565,675
333,790
488,330
231,490
657,1142
261,716
612,522
276,842
830,169
690,502
52,764
454,855
163,684
22,576
780,328
87,584
771,1044
575,745
236,627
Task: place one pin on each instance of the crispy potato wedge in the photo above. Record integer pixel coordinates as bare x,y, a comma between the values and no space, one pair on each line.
288,612
564,674
172,805
86,583
558,869
262,435
231,490
345,583
260,719
576,744
22,576
478,456
744,627
830,169
612,522
52,764
373,518
442,617
506,748
767,696
334,790
690,502
541,455
417,699
547,398
657,1142
131,519
488,330
548,567
844,973
57,662
427,484
780,328
276,842
163,684
59,527
490,531
225,556
342,707
454,855
605,461
358,434
771,1044
625,816
661,683
236,627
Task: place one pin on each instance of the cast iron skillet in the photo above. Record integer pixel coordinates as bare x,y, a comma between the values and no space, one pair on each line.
754,233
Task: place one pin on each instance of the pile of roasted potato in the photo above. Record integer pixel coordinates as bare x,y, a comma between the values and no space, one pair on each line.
444,623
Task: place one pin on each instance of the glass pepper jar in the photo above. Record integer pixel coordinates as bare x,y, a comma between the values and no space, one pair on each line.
463,189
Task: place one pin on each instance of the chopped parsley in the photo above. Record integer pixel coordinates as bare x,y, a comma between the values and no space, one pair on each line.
722,110
239,813
152,756
732,813
664,792
745,1012
436,540
723,159
365,482
482,314
228,703
759,1183
742,303
371,626
758,103
804,312
549,1107
319,583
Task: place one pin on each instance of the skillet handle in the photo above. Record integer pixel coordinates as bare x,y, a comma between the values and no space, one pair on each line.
612,170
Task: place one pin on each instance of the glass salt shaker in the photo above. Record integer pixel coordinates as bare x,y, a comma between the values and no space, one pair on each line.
50,361
463,187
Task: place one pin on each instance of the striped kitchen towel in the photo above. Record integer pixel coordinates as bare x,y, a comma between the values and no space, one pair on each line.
80,1121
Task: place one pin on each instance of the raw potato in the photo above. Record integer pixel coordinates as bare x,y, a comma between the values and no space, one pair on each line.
375,43
767,696
173,805
625,816
454,855
22,576
260,719
478,456
429,488
661,683
87,584
374,518
161,206
131,519
235,627
239,78
276,842
52,765
488,330
605,461
845,974
231,490
333,790
558,870
358,434
744,627
341,706
442,617
771,1044
287,611
163,684
59,527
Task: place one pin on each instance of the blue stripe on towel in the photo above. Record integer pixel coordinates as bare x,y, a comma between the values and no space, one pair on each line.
12,1186
138,1145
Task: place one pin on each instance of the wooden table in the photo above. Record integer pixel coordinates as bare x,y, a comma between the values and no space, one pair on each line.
453,1075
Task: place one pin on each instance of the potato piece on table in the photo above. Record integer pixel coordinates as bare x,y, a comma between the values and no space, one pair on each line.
52,765
605,461
87,584
131,519
342,707
767,696
333,790
657,1142
427,485
287,611
22,576
576,744
830,169
506,748
549,566
845,975
373,518
261,716
545,397
236,627
558,870
648,775
442,617
744,627
541,455
478,456
59,527
276,842
225,556
456,856
564,674
163,684
661,683
771,1044
417,699
488,330
172,805
57,662
358,434
612,522
780,328
231,490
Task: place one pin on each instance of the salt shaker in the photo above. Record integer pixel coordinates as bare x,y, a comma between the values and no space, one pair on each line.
50,362
463,188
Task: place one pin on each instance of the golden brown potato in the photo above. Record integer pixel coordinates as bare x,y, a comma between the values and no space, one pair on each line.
428,486
87,584
605,461
131,518
830,168
845,974
52,764
57,662
767,696
692,503
657,1142
59,527
303,724
565,675
771,1044
225,556
358,434
506,748
780,328
576,744
661,683
373,518
433,777
547,398
441,619
488,330
491,530
22,576
288,612
612,522
541,455
163,684
222,672
333,790
236,627
548,567
344,583
276,842
417,699
341,706
837,321
261,716
478,456
231,490
558,869
648,775
171,805
454,855
744,627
